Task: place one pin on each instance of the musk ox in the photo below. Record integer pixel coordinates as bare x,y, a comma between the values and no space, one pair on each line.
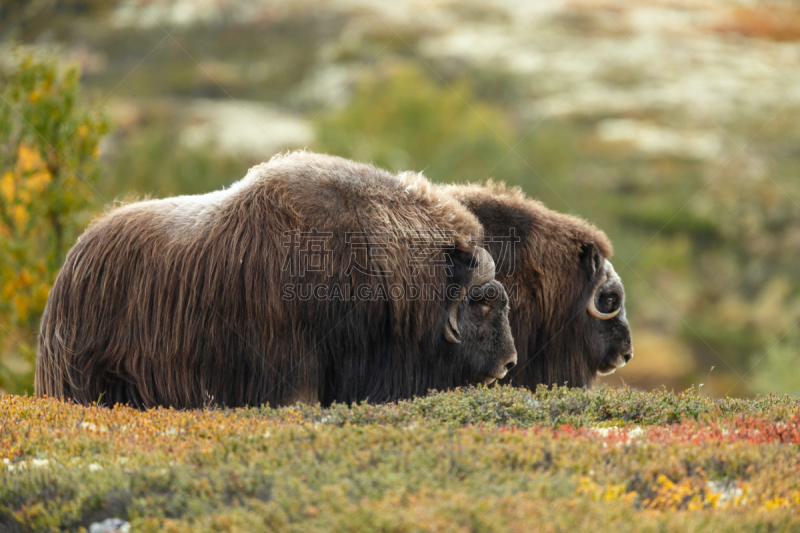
312,279
567,302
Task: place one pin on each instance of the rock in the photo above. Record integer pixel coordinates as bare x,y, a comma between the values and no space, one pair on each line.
110,525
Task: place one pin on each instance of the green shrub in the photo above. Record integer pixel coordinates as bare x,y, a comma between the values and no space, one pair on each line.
401,120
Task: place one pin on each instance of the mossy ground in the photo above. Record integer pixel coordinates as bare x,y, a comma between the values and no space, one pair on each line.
487,459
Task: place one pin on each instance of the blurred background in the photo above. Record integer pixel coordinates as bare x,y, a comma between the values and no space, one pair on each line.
672,125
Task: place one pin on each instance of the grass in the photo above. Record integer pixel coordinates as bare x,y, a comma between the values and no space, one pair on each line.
487,459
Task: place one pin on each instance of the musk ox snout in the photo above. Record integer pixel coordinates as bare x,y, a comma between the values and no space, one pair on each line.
619,351
614,363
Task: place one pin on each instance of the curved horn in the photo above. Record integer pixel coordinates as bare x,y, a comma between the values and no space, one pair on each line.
451,332
592,308
484,271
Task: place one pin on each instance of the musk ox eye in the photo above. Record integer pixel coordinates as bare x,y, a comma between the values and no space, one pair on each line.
483,306
608,302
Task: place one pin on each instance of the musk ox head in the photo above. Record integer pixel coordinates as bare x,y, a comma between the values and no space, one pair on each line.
567,303
478,320
611,346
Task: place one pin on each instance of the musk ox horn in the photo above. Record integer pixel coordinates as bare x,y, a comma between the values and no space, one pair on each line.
451,332
484,271
592,307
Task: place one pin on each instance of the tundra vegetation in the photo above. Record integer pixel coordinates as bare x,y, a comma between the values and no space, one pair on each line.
485,459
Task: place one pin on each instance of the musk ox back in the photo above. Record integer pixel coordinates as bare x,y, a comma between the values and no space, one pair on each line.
567,302
312,279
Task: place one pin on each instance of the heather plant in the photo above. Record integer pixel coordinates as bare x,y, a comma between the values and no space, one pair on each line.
476,459
49,148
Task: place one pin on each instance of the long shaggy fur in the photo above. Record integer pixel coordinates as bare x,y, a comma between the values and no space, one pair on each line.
178,302
549,280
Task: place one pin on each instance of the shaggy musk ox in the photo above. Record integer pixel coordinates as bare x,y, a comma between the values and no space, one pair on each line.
568,303
312,279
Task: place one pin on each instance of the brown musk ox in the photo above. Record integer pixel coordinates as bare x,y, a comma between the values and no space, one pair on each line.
567,302
312,279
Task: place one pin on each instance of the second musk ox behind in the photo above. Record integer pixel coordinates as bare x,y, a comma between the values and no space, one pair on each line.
312,279
568,303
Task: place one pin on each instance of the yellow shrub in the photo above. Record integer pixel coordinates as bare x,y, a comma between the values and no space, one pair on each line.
48,160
